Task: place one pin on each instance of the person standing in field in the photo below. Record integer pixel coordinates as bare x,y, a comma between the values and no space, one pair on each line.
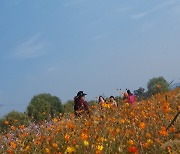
131,97
101,101
80,105
113,101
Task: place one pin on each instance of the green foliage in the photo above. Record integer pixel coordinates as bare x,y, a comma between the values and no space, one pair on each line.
14,118
69,107
118,99
157,85
92,103
140,94
44,107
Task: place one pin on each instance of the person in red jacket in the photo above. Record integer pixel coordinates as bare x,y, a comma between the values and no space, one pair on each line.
80,105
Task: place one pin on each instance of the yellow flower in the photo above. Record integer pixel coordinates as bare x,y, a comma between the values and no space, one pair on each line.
47,150
118,130
27,148
86,143
149,141
130,142
100,147
70,150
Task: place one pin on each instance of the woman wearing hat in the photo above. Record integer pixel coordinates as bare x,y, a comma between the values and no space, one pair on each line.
80,105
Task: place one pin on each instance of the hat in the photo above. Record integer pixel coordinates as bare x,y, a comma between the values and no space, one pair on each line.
80,94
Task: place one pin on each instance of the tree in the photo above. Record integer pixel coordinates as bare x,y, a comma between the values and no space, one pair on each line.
140,93
44,107
69,107
15,119
157,85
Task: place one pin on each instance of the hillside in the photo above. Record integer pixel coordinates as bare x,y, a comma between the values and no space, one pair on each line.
140,128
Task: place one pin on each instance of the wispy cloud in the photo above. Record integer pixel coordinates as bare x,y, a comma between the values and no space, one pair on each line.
156,8
31,48
139,15
102,36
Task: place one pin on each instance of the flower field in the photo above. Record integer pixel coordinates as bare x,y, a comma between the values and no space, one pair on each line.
141,128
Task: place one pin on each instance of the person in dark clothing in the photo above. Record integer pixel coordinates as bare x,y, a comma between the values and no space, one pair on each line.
80,105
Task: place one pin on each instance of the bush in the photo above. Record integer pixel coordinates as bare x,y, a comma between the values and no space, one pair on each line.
15,119
44,107
157,85
69,107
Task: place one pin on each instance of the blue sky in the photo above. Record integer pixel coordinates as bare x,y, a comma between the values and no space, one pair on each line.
63,46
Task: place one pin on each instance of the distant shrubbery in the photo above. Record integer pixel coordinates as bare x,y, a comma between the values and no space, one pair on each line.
15,119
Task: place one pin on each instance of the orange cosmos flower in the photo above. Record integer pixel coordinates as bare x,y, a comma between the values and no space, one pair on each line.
148,135
84,136
163,131
13,145
55,120
54,145
67,137
6,122
122,121
13,128
142,125
27,148
10,151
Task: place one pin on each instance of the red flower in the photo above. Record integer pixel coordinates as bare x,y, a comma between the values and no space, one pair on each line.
133,149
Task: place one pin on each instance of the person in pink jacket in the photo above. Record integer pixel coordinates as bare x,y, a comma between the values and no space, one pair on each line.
131,97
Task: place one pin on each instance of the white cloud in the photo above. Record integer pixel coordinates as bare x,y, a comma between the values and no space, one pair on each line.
31,48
